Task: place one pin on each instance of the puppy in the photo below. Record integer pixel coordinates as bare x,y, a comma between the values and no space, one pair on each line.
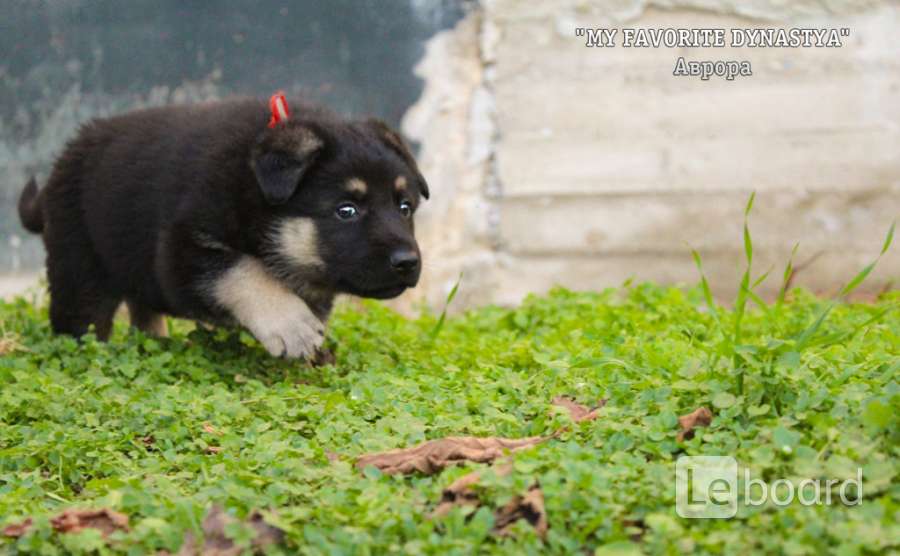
228,212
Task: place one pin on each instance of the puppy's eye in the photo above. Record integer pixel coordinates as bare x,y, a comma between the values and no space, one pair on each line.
406,208
347,211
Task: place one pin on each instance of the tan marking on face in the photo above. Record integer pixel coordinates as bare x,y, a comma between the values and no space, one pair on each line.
400,183
277,317
297,241
356,185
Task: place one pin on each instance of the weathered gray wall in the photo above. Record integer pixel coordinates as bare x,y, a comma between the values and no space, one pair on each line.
65,62
556,163
552,163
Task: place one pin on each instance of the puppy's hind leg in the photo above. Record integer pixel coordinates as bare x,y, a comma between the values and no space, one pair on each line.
81,294
80,298
147,320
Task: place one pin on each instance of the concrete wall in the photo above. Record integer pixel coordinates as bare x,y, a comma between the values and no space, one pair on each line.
553,163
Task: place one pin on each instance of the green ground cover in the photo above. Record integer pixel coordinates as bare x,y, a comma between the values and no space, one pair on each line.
162,430
203,441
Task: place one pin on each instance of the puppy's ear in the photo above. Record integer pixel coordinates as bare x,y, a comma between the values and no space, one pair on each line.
280,159
396,143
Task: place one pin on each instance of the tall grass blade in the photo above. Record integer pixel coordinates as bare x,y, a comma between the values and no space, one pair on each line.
889,238
704,285
440,323
805,337
843,336
788,274
749,206
741,300
748,245
762,278
858,279
760,302
810,331
740,304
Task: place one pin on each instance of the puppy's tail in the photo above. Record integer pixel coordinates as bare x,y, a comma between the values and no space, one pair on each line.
31,207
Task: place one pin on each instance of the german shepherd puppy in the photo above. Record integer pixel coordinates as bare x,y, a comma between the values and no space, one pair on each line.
206,212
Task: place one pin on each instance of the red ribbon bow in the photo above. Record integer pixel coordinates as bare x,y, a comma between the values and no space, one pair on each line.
279,107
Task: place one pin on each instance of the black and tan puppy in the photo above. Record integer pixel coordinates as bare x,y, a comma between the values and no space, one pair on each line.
208,213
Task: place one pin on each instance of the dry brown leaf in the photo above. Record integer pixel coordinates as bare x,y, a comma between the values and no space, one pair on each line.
576,410
636,527
323,356
211,429
17,530
105,520
461,493
432,456
701,417
529,507
9,343
216,543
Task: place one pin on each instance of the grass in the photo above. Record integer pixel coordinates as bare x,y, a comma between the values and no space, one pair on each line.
162,430
128,425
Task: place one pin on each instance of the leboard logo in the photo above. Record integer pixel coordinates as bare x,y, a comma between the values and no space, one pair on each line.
707,487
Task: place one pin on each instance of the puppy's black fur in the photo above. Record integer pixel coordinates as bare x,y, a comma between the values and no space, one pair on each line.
162,207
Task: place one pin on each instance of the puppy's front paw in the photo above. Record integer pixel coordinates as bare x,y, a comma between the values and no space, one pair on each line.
293,332
276,316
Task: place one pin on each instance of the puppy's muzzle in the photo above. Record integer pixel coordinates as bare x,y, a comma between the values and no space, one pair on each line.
406,264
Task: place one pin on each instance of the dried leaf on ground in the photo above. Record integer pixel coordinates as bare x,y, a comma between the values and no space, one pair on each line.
636,527
17,530
433,456
105,520
529,507
9,343
217,543
701,417
207,426
323,357
461,493
576,410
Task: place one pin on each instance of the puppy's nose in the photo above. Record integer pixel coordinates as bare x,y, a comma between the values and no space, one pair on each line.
405,261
